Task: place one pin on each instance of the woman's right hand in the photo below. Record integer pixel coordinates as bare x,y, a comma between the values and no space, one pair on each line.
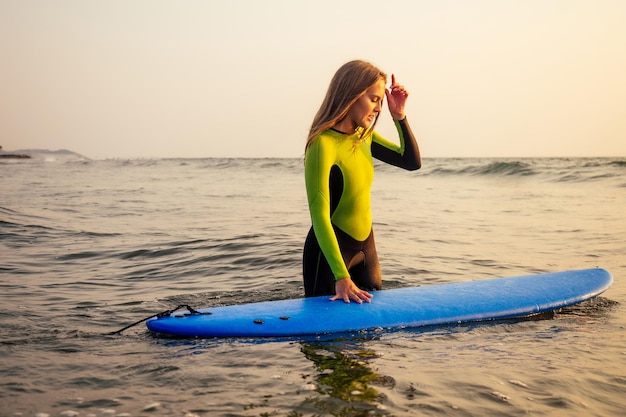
346,290
396,99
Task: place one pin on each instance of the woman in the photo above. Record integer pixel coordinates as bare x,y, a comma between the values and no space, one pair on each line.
339,253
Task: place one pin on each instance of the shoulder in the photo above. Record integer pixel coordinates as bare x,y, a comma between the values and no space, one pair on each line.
324,142
330,136
323,152
376,137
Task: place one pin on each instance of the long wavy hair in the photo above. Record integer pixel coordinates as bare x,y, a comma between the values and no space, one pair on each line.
349,83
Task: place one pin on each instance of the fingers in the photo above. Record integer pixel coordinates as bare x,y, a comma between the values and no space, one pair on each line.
346,290
397,89
365,296
359,296
356,297
394,85
346,298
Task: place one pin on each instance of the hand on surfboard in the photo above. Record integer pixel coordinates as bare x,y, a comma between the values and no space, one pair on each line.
346,290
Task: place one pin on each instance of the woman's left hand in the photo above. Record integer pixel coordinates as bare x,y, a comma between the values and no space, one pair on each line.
346,290
396,99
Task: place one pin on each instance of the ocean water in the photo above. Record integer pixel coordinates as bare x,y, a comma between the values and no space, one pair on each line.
89,247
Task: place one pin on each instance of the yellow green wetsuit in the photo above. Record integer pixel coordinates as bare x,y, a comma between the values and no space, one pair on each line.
339,171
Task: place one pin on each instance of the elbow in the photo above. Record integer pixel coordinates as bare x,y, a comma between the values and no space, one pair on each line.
415,165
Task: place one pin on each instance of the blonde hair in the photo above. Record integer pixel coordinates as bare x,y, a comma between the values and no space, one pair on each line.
348,85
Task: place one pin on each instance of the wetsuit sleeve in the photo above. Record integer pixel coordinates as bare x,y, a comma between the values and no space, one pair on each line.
319,160
406,155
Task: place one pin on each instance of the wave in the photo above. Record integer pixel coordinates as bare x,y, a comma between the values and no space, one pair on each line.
559,170
547,169
618,163
497,168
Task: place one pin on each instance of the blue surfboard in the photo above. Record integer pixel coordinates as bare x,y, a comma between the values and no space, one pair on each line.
429,305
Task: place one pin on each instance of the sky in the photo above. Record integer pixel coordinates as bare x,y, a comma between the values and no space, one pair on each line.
244,78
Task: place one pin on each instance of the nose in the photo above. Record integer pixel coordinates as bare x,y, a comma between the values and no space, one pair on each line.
378,107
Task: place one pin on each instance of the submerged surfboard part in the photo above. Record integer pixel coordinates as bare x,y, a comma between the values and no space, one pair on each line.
490,299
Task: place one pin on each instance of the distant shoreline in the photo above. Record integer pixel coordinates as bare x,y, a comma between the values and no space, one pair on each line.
14,156
36,154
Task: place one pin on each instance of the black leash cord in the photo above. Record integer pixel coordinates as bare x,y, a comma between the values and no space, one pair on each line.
158,315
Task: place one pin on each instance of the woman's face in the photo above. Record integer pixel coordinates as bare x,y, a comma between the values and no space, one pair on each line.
363,112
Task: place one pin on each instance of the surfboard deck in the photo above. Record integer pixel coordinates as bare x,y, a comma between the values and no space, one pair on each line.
489,299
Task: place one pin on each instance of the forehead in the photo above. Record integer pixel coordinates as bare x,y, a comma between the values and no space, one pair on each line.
377,88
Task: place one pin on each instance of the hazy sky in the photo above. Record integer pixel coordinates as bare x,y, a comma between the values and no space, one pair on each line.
236,78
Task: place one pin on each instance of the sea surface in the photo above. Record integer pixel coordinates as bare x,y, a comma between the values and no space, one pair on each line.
88,247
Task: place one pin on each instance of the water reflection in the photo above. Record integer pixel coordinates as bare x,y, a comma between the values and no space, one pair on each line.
345,378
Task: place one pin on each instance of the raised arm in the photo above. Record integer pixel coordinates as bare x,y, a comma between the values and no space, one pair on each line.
407,155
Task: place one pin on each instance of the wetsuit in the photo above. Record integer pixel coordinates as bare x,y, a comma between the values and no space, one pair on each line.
339,171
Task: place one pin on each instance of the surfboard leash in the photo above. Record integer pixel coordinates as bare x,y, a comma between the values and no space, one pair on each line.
191,310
